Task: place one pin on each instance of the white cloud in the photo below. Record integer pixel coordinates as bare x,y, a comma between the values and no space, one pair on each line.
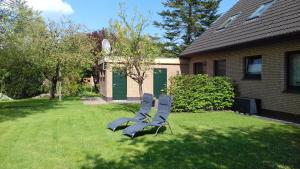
51,6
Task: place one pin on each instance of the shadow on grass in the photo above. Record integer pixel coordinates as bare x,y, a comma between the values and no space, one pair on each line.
116,107
148,130
237,148
22,108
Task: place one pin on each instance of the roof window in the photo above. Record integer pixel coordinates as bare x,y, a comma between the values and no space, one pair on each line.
228,21
261,10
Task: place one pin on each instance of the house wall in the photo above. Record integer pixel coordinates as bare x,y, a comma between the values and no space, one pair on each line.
106,84
173,69
271,88
105,90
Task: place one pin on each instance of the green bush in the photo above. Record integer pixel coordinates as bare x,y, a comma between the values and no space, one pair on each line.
195,93
24,81
87,91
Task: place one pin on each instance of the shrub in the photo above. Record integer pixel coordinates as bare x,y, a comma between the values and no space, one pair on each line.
195,93
24,81
87,91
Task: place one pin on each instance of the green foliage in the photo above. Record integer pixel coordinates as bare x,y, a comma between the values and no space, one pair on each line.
66,50
23,81
185,20
3,75
87,90
71,85
32,52
19,47
89,94
194,93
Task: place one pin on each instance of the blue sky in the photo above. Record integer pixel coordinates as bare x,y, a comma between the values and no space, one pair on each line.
95,14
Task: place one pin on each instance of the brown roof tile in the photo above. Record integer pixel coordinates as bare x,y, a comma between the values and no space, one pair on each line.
283,17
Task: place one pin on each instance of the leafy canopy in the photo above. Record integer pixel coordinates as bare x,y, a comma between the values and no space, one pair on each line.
185,20
19,47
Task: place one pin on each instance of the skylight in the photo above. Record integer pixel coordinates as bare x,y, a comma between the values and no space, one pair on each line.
228,21
261,10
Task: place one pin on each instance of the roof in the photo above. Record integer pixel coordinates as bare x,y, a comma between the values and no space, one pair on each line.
282,18
159,61
171,61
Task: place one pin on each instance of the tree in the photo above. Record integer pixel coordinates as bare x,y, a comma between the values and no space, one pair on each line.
32,51
65,50
133,51
3,75
185,20
98,37
19,27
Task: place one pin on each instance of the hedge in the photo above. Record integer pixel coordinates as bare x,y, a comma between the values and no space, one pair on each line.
195,93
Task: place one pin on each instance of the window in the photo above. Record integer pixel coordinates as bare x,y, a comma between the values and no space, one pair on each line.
200,68
261,10
228,21
253,67
220,67
293,71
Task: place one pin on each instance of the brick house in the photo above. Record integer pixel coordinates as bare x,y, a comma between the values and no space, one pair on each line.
257,44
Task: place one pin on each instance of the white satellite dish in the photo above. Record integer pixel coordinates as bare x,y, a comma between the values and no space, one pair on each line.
106,48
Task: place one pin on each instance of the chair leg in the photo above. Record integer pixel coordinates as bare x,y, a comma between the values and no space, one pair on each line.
158,130
132,136
170,128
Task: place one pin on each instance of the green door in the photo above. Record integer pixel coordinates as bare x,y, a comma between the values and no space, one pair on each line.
159,81
119,86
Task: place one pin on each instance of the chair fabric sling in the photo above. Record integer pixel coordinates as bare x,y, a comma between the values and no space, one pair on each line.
159,120
140,116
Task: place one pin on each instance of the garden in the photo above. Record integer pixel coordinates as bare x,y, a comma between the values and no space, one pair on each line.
38,133
45,124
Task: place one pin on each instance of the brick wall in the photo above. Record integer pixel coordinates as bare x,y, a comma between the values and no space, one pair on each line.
271,88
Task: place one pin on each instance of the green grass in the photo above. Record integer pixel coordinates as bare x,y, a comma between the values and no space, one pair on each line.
50,135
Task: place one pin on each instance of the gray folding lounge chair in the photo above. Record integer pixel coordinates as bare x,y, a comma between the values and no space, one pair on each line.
140,116
159,120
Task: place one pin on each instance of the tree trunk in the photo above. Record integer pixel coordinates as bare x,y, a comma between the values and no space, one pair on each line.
53,88
59,87
189,26
141,90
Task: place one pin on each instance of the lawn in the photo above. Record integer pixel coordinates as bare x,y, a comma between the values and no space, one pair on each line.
50,135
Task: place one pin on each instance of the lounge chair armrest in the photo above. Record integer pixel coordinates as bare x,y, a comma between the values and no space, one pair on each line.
162,118
145,115
165,120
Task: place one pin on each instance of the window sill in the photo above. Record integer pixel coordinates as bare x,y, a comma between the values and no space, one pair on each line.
252,18
252,78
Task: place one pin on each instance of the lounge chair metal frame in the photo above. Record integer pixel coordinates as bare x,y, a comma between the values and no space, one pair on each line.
159,121
166,123
140,116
